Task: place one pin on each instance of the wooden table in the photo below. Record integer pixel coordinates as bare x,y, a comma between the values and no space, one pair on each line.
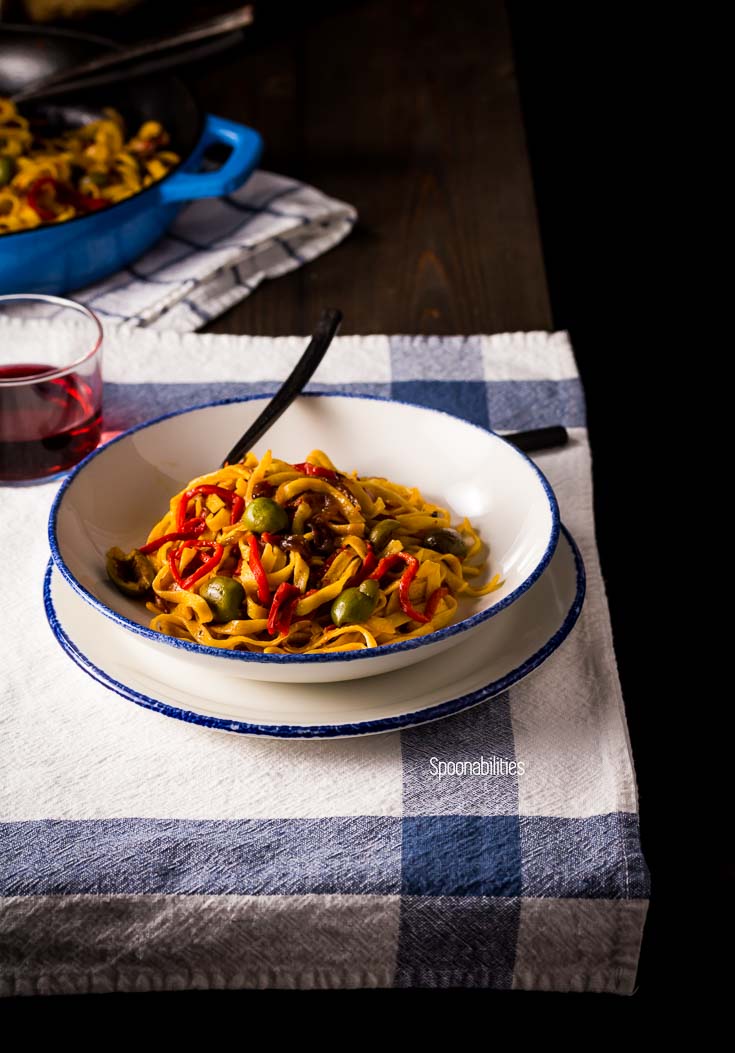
410,112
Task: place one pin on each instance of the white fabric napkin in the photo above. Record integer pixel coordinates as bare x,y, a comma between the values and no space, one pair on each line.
139,852
218,250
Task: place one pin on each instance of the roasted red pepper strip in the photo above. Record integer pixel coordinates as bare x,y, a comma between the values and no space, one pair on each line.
386,564
238,507
368,564
264,593
64,194
33,196
316,470
236,503
282,608
270,539
434,601
412,565
92,204
191,528
83,202
207,565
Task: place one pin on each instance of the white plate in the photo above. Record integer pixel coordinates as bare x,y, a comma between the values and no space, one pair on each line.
116,494
498,654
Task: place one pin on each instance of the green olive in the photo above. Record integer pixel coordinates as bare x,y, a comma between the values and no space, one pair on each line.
381,533
224,596
445,540
264,514
132,574
370,588
354,605
7,169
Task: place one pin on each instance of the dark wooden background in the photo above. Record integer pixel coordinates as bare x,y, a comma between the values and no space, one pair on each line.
411,113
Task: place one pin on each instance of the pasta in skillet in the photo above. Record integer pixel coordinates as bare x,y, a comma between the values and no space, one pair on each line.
284,558
81,170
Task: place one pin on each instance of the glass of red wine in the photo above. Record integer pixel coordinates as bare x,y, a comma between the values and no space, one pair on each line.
50,385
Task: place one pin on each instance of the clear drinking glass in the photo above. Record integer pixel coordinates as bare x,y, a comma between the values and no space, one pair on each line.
50,385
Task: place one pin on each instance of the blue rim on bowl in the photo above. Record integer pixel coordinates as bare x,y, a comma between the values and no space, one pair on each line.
301,659
320,731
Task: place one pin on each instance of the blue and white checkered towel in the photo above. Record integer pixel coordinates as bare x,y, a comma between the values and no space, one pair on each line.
218,250
140,853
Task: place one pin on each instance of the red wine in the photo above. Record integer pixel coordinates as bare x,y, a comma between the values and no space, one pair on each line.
49,425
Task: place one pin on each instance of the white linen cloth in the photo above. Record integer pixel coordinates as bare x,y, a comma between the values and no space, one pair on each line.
143,853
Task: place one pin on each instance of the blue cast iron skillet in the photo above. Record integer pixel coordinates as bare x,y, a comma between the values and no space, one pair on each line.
67,256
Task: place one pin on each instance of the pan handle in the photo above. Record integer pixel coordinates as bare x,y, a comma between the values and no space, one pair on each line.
247,147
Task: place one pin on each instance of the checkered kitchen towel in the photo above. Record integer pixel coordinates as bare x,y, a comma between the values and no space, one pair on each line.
143,853
218,250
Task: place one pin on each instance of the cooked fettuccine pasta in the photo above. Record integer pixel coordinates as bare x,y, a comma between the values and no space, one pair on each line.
284,558
47,179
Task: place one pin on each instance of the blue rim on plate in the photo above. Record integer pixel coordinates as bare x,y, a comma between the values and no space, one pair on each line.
300,659
366,727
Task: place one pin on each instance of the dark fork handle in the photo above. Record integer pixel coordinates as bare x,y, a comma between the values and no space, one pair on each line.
145,57
539,438
326,328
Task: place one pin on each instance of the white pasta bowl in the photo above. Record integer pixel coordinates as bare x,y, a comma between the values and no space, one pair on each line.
116,495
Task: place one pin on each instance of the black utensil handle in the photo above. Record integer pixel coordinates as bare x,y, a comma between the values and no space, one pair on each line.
324,333
156,64
539,438
92,72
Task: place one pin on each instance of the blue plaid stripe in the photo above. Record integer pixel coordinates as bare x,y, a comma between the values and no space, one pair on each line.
189,857
598,857
503,405
455,941
483,731
433,358
463,398
461,855
514,405
423,855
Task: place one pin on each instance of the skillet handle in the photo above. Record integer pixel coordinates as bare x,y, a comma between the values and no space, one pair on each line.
247,147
